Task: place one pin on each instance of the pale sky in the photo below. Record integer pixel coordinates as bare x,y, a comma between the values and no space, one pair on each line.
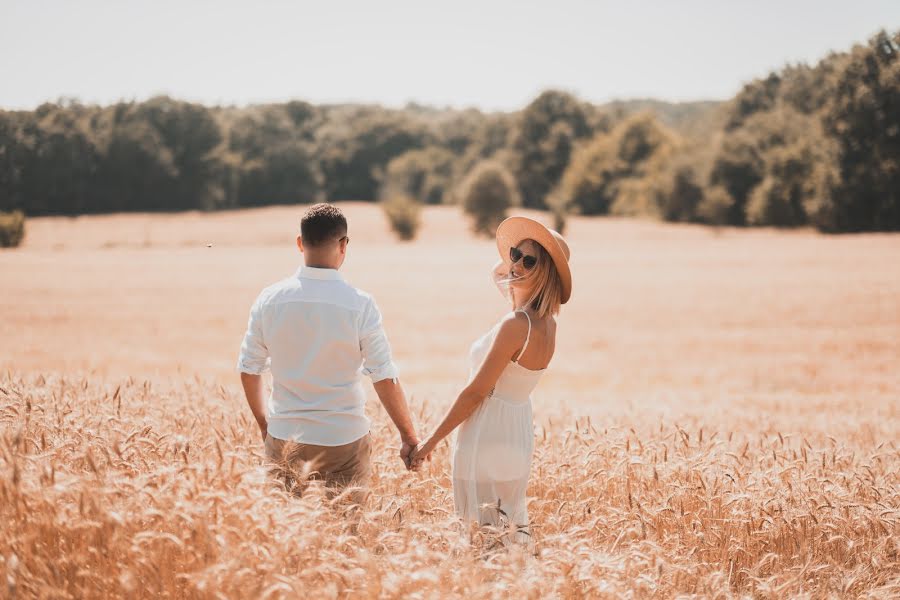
489,54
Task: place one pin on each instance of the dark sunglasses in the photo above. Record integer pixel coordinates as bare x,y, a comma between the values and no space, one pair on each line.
346,237
528,261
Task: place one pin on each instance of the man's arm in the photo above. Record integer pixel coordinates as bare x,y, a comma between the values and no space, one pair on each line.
391,395
380,367
252,363
253,390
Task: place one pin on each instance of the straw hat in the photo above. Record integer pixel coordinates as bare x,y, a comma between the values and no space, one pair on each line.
514,230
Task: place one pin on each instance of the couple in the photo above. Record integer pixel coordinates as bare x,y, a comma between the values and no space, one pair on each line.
316,332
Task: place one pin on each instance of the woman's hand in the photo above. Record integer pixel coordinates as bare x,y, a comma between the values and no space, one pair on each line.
422,453
500,272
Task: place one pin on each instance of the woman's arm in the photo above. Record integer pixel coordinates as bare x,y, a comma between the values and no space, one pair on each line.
508,341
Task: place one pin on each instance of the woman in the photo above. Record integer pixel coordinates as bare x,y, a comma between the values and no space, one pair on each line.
494,444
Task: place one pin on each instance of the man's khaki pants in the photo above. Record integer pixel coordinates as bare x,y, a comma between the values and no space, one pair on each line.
336,466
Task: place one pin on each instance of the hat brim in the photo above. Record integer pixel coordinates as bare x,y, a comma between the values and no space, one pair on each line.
514,230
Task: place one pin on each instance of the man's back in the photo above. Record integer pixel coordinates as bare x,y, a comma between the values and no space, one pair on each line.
315,331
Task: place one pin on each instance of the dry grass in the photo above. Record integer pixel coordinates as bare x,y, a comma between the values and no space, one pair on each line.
721,418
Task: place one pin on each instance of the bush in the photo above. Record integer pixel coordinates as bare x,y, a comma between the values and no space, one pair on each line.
635,199
486,194
404,215
679,191
716,207
559,219
12,229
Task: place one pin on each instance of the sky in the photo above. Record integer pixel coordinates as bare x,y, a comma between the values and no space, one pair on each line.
493,55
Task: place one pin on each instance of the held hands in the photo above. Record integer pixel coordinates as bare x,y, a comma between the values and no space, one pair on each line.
421,453
407,447
413,452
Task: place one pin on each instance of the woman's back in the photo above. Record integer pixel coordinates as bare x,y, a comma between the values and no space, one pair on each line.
520,376
540,343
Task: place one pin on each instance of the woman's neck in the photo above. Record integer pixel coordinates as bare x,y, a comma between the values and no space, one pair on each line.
517,304
520,306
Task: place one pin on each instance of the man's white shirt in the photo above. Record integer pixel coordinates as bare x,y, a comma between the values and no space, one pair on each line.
317,334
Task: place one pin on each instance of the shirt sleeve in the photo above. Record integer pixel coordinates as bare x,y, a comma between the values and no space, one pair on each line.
373,343
254,357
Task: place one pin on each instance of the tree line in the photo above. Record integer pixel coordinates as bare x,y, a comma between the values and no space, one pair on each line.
807,145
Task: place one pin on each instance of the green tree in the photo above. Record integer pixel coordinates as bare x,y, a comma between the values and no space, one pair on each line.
424,175
760,95
137,170
608,174
739,166
542,142
275,148
192,135
863,117
459,130
794,184
590,184
678,191
489,142
10,161
355,145
773,168
59,156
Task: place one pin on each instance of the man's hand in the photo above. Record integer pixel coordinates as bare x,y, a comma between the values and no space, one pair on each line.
406,450
394,401
421,453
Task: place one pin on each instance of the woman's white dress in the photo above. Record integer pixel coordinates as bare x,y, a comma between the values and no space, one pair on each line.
493,448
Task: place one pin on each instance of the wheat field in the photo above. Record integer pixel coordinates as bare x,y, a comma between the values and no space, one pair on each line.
721,418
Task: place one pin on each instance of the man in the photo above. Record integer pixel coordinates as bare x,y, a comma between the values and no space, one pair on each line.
314,331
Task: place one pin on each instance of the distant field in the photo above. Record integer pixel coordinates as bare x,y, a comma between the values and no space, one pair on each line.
722,413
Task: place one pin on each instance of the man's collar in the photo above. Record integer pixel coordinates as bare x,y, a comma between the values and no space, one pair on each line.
305,272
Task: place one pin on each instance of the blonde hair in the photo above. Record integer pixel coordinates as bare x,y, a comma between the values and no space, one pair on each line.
546,285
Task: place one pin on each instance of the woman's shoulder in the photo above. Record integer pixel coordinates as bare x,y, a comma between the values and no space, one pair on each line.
520,317
512,325
517,324
513,316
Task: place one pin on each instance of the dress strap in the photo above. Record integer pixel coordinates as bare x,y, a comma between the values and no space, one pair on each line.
527,336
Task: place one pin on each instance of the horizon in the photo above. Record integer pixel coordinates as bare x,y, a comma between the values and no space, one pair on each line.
482,57
64,100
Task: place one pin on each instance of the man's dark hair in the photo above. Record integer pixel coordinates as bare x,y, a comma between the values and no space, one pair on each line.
322,223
